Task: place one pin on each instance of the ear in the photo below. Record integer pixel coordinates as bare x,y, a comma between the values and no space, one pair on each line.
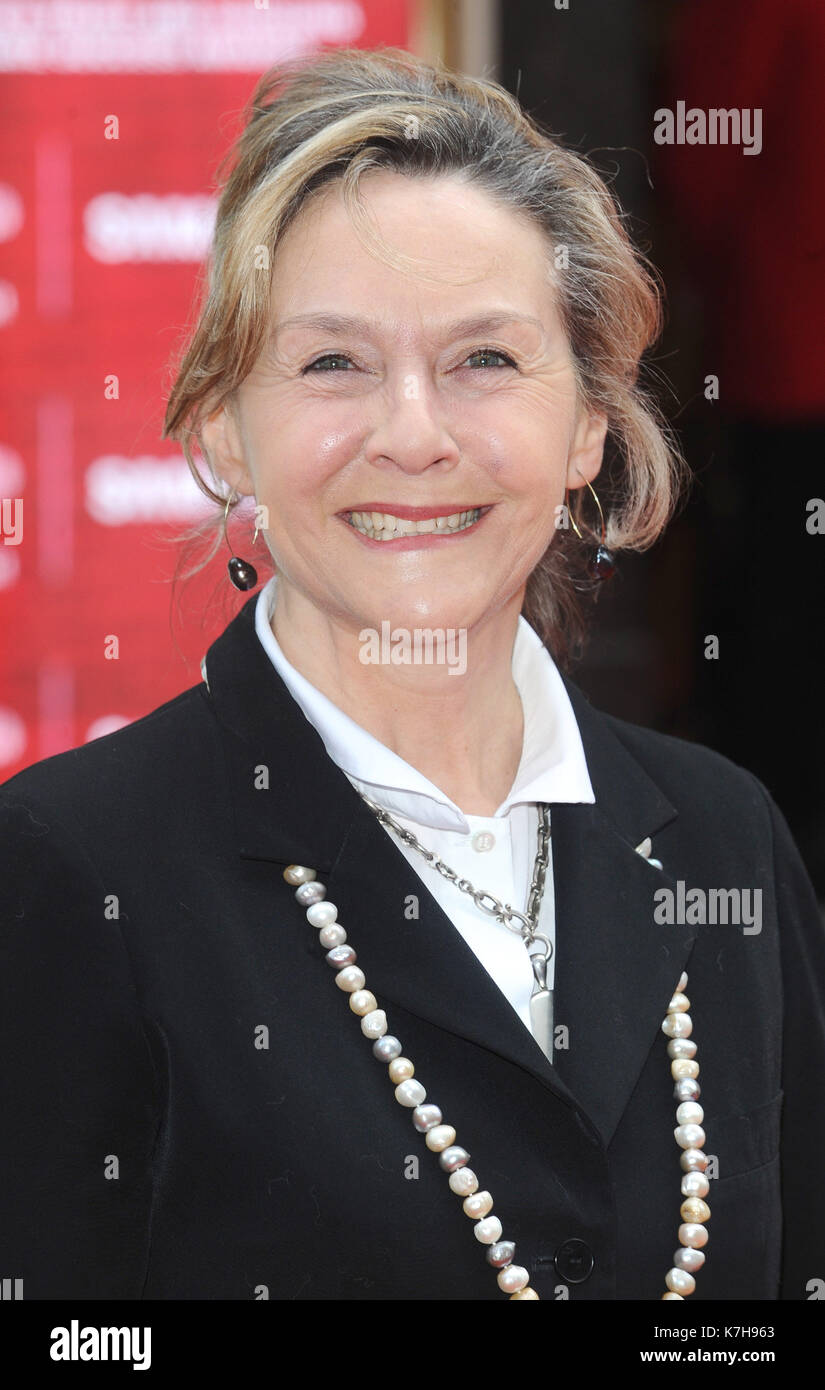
586,449
222,444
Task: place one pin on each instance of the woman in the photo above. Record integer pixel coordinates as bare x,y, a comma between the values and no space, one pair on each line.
423,316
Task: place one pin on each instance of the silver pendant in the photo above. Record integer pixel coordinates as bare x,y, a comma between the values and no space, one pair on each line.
541,1007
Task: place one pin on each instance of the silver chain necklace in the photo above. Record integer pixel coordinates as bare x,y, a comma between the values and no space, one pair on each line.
541,999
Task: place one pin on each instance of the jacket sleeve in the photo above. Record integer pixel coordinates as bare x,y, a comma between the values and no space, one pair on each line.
802,945
80,1094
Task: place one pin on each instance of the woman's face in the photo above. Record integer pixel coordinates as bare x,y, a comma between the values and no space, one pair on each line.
384,404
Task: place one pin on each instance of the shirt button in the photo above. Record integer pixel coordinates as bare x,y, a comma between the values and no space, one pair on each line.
482,840
574,1261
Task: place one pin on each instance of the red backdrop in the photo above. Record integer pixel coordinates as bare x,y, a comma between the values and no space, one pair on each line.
100,244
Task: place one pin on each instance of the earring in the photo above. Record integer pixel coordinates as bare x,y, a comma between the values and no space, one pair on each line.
601,564
241,572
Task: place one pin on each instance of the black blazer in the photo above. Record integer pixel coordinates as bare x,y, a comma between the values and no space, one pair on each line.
190,1108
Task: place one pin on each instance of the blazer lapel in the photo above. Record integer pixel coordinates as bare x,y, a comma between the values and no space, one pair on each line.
615,969
315,817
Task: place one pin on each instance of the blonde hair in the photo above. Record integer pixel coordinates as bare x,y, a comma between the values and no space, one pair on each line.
349,110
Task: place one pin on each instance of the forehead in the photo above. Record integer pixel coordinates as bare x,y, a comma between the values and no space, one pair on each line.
455,242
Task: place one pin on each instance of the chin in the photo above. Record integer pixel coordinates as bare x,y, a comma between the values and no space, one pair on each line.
411,610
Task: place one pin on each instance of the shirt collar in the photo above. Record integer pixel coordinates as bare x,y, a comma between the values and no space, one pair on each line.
553,767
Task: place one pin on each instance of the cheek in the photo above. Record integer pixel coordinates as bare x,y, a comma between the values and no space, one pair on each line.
525,437
531,467
295,463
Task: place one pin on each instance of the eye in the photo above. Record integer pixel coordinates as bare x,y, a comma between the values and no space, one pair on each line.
327,357
491,352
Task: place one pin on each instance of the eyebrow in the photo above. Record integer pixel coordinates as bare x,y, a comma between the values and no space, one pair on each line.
348,323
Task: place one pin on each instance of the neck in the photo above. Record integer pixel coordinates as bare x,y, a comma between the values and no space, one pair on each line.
458,722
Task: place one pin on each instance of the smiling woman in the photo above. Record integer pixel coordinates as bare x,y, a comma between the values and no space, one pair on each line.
422,328
359,432
508,252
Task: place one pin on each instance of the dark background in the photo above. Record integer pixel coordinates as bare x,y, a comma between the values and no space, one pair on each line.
738,240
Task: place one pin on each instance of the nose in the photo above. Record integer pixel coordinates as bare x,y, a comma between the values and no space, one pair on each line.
411,433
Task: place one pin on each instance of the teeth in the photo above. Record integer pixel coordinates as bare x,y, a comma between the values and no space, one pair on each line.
383,526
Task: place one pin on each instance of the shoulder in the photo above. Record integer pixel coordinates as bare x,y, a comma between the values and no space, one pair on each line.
724,812
685,768
146,764
698,782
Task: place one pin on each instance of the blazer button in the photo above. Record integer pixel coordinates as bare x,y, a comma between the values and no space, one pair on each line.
574,1261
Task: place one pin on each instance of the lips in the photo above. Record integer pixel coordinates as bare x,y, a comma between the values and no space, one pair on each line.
389,526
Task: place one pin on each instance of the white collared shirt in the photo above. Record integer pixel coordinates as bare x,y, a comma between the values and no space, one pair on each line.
496,853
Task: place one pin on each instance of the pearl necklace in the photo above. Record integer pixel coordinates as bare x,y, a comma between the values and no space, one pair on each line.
440,1138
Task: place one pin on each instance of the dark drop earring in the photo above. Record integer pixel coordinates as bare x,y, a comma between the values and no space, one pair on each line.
243,574
601,564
